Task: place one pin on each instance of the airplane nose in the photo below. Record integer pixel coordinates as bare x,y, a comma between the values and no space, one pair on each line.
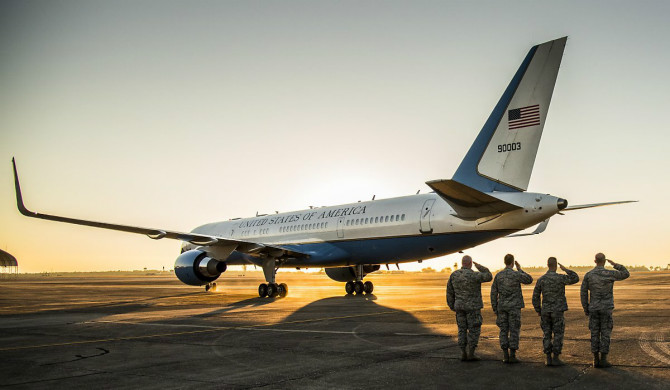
562,203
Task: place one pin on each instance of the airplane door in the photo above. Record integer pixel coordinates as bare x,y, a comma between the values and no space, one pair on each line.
425,216
340,227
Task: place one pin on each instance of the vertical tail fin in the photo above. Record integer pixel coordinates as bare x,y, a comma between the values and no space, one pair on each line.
503,154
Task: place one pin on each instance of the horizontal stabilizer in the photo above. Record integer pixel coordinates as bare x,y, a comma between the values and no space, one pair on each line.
156,234
468,202
541,227
588,206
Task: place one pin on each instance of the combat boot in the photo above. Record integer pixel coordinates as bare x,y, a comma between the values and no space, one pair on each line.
471,355
556,361
596,360
505,355
464,355
548,361
512,357
603,361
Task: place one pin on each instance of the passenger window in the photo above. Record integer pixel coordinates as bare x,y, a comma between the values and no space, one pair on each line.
386,219
402,217
366,221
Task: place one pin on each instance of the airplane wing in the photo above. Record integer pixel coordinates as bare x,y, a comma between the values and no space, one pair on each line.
229,244
588,206
468,202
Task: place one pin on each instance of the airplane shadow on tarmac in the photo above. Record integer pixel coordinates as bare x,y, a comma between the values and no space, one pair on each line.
337,325
338,333
243,304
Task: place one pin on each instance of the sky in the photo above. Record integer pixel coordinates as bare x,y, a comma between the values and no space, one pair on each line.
172,114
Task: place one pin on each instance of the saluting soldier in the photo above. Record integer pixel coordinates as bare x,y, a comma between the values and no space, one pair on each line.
464,296
550,304
598,303
507,302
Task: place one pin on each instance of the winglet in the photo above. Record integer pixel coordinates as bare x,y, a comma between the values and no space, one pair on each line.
19,197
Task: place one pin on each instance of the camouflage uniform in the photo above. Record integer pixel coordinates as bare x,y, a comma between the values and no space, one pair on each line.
507,301
598,303
464,296
551,286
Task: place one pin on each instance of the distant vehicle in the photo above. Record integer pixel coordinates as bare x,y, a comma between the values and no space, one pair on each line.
485,200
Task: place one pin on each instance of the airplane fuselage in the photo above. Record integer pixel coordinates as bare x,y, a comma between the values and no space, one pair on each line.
384,231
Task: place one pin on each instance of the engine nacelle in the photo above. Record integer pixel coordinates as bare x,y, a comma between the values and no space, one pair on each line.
347,274
196,269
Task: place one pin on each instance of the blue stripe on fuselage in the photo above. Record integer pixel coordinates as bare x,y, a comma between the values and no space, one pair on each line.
379,250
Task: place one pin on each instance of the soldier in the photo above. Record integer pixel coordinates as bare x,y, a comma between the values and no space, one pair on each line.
507,301
598,303
551,306
464,296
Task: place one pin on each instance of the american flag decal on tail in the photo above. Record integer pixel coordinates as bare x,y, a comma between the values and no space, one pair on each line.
524,117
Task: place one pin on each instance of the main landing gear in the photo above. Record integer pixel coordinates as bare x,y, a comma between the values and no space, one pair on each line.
210,286
271,289
358,286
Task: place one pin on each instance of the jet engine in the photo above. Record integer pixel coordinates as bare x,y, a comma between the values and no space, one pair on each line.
347,274
196,269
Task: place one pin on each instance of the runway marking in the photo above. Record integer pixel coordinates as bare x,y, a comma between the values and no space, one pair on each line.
647,346
662,344
209,330
218,327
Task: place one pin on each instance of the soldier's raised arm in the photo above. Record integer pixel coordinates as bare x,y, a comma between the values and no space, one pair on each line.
621,272
537,302
484,274
451,297
571,277
584,293
494,296
523,276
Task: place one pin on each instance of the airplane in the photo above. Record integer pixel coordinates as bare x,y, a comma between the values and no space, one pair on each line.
486,199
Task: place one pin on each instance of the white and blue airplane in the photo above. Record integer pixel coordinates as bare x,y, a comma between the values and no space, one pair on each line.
486,199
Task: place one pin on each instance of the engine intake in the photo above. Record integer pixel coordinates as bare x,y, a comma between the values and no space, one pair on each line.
196,269
347,274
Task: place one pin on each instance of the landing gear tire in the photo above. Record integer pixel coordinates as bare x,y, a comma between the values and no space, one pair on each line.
283,290
273,290
263,290
368,287
349,287
359,287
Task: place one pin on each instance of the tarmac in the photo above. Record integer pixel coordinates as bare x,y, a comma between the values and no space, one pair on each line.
153,332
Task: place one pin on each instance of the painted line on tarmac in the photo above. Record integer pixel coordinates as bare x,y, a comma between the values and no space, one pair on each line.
218,327
648,341
209,330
